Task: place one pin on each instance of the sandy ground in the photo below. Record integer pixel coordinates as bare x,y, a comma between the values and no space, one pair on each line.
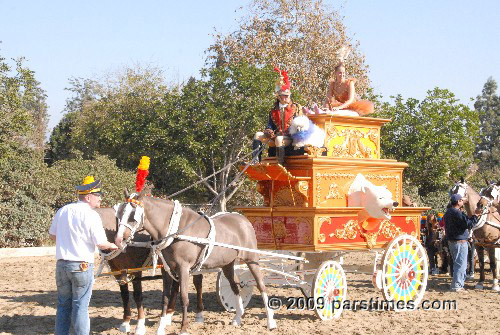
28,306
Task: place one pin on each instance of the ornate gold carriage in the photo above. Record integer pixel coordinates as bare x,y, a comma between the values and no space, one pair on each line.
305,201
306,210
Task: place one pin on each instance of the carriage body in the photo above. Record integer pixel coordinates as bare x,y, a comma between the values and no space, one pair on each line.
305,201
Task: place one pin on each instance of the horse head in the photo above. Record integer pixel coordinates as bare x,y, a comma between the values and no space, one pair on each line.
130,216
491,191
483,202
460,187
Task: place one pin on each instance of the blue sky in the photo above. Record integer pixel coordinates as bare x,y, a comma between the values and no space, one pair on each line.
410,46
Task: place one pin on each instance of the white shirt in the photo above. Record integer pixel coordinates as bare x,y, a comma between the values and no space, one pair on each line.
78,229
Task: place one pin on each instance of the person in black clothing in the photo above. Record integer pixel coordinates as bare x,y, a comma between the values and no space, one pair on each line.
457,226
430,242
470,258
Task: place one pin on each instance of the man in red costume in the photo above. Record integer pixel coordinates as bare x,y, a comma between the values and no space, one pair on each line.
281,116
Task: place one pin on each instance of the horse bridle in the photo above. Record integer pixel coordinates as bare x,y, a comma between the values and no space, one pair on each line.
138,210
494,194
457,189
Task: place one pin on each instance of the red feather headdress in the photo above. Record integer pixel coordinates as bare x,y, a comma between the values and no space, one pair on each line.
283,85
142,173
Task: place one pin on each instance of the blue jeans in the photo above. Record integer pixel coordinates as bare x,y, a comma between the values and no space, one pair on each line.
74,288
458,252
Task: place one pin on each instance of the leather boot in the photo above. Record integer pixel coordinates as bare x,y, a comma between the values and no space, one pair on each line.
257,154
280,154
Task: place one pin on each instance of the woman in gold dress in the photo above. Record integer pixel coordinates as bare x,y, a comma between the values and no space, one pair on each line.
341,94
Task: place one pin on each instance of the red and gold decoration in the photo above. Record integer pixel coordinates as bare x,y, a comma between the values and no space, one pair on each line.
142,173
283,85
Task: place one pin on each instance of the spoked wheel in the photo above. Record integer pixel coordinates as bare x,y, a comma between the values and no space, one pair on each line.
225,294
329,290
404,272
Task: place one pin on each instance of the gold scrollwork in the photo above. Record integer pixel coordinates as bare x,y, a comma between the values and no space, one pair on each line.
348,232
263,187
320,176
410,219
370,238
279,230
333,193
302,187
287,196
321,221
351,229
352,146
314,151
389,229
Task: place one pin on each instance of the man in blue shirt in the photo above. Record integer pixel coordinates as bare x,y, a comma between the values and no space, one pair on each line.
457,226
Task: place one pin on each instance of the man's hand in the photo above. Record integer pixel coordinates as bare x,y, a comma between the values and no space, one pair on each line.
269,133
478,211
107,246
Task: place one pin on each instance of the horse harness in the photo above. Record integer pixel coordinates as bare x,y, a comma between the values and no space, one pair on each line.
139,218
158,245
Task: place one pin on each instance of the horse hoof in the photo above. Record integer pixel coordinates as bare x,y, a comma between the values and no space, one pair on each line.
140,329
236,323
271,324
164,322
496,288
479,286
124,327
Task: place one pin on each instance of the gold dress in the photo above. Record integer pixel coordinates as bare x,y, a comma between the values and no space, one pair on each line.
334,99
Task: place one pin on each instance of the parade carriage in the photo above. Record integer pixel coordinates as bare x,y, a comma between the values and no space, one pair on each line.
307,224
306,214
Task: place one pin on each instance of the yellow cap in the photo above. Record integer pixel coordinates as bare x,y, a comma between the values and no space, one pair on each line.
89,185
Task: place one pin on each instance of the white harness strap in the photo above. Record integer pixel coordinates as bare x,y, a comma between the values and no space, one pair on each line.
139,218
173,226
482,219
207,250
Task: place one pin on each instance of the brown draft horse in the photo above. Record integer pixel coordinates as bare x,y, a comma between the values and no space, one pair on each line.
492,193
486,234
133,258
181,256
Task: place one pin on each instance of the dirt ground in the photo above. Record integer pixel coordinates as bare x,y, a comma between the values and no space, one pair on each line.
28,307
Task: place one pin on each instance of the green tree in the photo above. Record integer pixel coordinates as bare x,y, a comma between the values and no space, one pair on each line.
487,106
24,207
61,143
435,136
122,119
302,36
70,172
23,108
188,132
217,118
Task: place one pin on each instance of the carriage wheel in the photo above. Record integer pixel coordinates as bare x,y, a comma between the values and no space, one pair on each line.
404,272
330,290
225,295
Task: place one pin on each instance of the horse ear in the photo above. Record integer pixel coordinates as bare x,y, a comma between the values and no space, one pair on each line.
126,193
498,183
487,182
142,194
462,180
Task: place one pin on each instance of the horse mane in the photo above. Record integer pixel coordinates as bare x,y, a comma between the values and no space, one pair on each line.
472,199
